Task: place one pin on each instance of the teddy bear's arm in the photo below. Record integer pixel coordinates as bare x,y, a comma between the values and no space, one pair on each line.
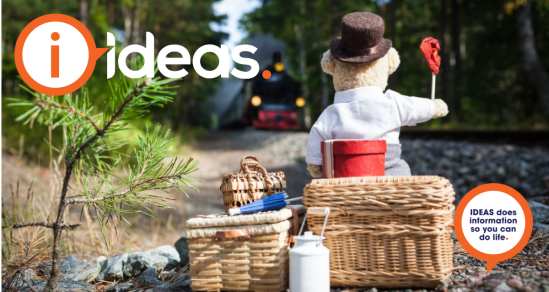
315,170
414,110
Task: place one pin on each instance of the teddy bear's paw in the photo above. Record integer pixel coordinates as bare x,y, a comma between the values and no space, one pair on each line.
315,170
441,108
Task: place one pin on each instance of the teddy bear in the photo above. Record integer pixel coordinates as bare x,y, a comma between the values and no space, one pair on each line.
360,62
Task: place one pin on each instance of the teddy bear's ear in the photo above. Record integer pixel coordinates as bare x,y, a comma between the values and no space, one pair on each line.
394,60
328,63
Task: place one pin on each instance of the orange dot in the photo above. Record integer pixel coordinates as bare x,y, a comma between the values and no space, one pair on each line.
266,74
507,238
55,36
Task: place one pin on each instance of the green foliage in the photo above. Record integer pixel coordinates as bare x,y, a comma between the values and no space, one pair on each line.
90,140
486,87
182,22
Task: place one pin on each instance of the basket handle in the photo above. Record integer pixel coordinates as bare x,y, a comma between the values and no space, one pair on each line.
249,161
232,234
317,211
252,162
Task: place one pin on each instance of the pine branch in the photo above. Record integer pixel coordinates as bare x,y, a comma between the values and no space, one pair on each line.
143,168
43,104
41,224
83,145
134,93
124,192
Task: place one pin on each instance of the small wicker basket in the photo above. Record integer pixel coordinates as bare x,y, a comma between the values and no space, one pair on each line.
252,183
242,253
385,232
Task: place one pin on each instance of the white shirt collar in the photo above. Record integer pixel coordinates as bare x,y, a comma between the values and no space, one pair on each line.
356,93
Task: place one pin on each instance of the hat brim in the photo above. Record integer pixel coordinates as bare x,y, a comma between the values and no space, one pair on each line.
336,48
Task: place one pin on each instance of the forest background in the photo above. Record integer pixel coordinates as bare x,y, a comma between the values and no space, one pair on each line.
494,72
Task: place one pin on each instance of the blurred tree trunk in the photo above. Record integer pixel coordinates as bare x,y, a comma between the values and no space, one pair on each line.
335,19
156,27
323,78
392,11
110,12
136,35
84,12
456,94
299,28
127,24
445,56
532,64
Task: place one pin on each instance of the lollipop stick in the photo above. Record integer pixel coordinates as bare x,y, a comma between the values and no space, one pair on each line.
433,81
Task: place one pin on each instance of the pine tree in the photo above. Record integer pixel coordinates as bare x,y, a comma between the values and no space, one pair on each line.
89,144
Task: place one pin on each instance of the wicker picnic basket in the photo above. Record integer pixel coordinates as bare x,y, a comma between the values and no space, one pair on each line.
385,232
252,183
242,253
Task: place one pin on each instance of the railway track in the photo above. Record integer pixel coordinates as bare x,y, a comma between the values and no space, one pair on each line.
514,137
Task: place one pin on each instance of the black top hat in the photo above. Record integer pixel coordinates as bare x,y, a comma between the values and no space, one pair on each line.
361,39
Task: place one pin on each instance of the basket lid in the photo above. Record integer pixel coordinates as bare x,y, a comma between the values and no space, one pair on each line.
355,147
241,231
269,217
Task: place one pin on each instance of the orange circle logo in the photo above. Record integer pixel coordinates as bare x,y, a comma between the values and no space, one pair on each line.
55,54
493,223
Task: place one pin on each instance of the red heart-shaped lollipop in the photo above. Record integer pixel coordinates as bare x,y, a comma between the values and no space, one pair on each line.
430,47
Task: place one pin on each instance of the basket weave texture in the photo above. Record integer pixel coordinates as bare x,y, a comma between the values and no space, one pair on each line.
252,183
385,232
258,261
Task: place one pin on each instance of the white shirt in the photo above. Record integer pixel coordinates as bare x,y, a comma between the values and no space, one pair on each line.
366,113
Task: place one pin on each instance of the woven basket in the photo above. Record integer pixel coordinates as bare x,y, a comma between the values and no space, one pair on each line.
385,232
242,253
252,183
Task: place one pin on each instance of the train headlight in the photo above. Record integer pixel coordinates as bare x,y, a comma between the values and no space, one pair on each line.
279,66
300,102
256,100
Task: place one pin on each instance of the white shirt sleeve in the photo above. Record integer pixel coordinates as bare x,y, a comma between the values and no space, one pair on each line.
319,132
412,110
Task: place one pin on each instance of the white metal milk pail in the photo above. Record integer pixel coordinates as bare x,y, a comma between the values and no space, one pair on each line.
310,260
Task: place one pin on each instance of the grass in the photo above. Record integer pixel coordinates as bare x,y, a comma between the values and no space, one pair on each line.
29,189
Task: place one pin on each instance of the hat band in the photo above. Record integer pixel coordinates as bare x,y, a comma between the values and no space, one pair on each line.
360,52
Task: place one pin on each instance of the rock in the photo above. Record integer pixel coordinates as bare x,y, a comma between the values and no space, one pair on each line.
122,287
182,248
130,265
503,287
100,259
147,277
157,258
515,283
540,212
540,215
76,269
69,263
169,252
157,289
30,276
494,280
64,286
181,284
112,268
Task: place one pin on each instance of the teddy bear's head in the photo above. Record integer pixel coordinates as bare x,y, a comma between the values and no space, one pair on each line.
349,76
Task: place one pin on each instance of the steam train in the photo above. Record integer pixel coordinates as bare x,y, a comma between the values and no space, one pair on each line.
275,101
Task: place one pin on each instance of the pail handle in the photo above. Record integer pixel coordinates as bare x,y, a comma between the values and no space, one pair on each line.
316,211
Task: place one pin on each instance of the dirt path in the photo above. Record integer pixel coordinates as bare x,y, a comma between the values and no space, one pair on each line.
221,152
